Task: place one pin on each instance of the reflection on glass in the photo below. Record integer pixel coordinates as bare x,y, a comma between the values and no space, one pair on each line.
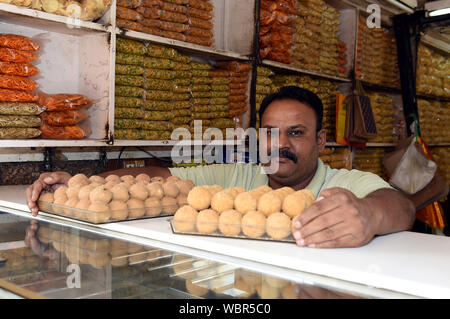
62,262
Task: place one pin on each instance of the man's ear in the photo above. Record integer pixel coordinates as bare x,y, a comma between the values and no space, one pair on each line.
321,140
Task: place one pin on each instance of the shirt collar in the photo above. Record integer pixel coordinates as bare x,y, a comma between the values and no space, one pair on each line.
318,180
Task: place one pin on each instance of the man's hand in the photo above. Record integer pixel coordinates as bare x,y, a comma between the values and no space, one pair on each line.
53,180
337,219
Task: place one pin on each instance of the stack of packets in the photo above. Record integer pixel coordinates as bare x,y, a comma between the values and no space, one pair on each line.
145,90
276,31
341,59
158,90
434,117
65,116
383,112
370,160
433,72
18,109
326,90
328,55
263,78
441,155
238,74
337,157
183,20
376,56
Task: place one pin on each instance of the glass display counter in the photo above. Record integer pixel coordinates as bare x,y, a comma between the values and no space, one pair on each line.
50,260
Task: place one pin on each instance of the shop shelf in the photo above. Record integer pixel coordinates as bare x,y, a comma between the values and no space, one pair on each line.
12,14
185,46
293,69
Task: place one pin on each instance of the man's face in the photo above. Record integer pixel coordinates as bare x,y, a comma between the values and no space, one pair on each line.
296,122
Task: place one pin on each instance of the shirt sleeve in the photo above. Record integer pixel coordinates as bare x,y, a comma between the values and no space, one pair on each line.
247,176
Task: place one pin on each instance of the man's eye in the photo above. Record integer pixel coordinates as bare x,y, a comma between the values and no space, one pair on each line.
296,132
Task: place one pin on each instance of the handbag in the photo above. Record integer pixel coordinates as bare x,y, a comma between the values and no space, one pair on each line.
360,122
432,188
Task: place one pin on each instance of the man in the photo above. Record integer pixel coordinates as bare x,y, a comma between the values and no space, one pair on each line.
351,207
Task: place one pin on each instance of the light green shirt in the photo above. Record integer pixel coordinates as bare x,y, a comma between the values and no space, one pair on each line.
251,176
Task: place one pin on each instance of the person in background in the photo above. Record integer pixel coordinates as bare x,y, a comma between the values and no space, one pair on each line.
351,207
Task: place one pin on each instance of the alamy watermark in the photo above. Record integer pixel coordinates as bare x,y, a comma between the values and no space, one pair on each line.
374,18
213,150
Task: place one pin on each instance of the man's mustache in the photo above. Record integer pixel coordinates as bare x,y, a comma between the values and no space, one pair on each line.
285,153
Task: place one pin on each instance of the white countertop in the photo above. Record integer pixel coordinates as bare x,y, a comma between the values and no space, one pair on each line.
406,262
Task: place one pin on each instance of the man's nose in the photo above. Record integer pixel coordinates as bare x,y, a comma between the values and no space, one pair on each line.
283,141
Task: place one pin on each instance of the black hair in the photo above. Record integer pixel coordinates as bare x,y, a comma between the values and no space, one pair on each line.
298,94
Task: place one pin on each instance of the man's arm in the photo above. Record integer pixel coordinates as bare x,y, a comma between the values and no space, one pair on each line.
340,219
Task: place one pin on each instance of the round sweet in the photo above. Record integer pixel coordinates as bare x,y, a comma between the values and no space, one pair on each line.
288,190
199,198
118,245
288,292
94,184
276,282
72,191
99,260
120,192
254,224
232,192
43,201
134,248
230,222
152,207
99,212
222,201
136,208
112,177
207,221
138,191
309,196
83,204
119,209
170,189
245,202
60,191
185,186
143,177
281,194
264,188
97,179
185,219
173,179
158,179
269,203
214,189
265,291
239,189
109,185
278,226
125,178
169,205
155,190
85,191
129,182
60,200
256,194
182,200
241,285
78,179
195,290
119,261
70,205
100,193
138,258
294,204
